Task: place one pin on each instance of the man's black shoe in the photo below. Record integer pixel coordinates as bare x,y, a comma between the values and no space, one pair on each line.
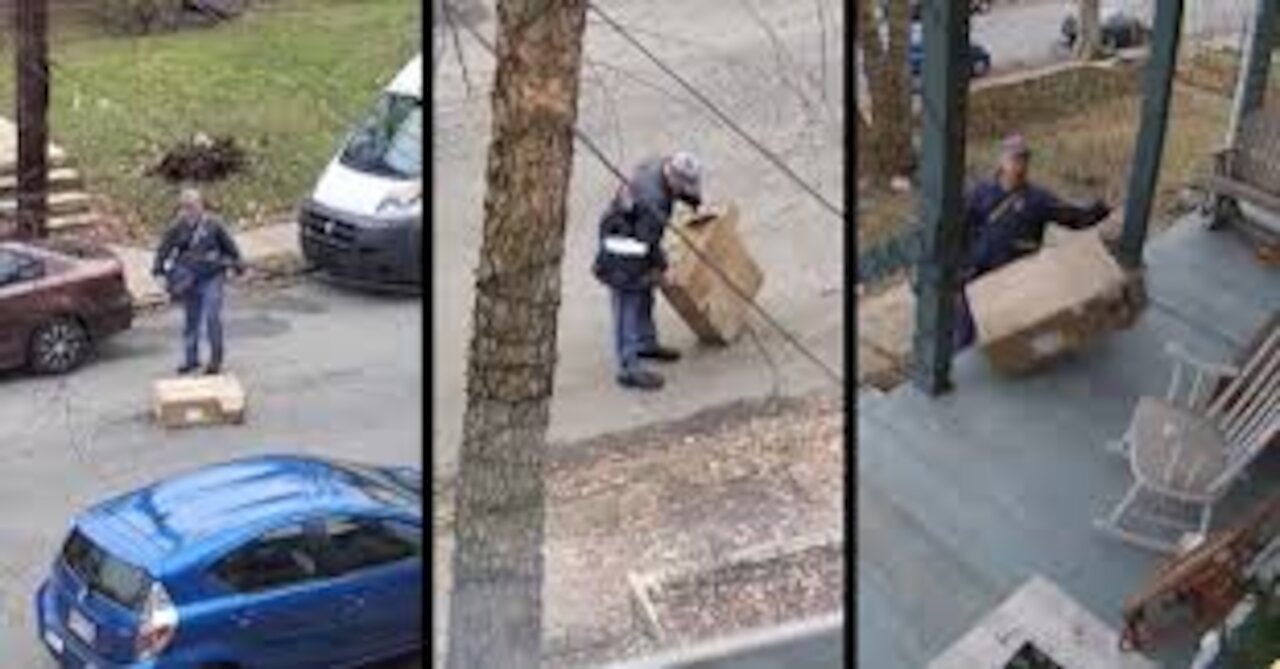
187,369
641,380
213,370
661,354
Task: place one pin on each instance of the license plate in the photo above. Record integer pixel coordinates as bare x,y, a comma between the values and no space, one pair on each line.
81,627
54,641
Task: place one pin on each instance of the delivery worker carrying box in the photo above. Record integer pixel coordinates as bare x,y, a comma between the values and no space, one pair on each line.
1031,306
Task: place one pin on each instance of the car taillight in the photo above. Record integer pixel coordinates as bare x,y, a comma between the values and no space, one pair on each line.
159,623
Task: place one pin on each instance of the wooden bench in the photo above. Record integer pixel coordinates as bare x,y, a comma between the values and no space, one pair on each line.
1249,172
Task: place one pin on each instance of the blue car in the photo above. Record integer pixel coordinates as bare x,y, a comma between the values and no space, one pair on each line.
979,60
278,561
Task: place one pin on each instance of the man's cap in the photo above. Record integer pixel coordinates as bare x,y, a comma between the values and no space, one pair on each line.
685,172
1015,146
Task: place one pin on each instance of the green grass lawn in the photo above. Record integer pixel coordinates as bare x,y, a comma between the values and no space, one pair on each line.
286,80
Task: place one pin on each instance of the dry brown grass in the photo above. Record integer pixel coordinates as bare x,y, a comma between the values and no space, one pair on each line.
1088,154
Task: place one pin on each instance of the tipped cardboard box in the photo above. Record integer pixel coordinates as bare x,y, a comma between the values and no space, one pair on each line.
198,400
1040,308
712,309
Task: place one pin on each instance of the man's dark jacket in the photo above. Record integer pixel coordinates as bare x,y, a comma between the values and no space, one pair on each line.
1001,227
639,211
208,256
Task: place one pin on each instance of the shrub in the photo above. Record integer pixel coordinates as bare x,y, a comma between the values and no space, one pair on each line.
140,17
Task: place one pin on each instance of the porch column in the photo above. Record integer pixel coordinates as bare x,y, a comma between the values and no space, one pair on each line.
944,92
1255,66
1158,89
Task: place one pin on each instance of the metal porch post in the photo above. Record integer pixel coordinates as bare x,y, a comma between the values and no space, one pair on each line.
1256,66
944,92
1155,120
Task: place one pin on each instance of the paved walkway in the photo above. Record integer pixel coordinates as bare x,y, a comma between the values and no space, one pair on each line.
263,248
721,49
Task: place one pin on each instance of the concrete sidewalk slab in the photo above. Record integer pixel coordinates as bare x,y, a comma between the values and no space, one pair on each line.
270,243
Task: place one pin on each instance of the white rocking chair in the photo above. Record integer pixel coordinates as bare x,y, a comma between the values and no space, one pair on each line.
1187,449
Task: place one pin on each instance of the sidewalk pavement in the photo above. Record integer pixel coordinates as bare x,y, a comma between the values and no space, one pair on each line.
266,248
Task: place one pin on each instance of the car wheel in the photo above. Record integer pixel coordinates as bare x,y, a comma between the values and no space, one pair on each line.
58,346
980,68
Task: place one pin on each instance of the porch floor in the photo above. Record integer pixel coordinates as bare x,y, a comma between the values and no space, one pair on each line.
962,498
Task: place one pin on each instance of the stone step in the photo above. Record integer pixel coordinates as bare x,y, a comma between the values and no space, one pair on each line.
59,204
61,179
72,222
9,161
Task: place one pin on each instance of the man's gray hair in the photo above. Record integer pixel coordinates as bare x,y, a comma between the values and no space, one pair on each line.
190,195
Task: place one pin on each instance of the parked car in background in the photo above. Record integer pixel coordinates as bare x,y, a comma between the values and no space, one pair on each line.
363,222
975,7
57,302
262,563
1121,28
979,60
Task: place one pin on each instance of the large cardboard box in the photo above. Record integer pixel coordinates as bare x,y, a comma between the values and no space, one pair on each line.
1040,308
198,400
695,290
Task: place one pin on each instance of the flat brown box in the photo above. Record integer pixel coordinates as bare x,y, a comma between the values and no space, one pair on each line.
198,400
711,309
1040,308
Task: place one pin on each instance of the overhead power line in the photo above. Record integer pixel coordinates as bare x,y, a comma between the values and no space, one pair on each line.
738,292
765,151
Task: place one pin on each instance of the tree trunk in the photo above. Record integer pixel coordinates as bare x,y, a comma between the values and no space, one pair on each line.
884,38
495,607
1089,39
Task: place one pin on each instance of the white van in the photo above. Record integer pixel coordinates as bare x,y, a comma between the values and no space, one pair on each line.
363,222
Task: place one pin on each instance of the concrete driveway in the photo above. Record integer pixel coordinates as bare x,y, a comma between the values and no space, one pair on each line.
775,67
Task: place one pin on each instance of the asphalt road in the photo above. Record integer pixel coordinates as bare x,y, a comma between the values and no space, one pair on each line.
1024,35
327,371
774,66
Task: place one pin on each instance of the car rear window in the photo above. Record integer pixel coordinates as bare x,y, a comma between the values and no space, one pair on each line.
380,485
105,574
15,267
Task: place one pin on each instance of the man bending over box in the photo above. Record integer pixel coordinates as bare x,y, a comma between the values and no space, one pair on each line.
631,262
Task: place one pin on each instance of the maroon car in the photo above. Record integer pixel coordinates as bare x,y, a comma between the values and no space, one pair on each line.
57,300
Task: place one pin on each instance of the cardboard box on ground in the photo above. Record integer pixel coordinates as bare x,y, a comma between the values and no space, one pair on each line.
712,309
198,400
1057,301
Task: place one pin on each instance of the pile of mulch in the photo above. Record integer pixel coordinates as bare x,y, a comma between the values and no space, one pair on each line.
201,159
751,594
691,494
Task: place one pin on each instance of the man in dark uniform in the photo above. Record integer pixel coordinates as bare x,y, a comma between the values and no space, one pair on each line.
1005,219
194,257
631,262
